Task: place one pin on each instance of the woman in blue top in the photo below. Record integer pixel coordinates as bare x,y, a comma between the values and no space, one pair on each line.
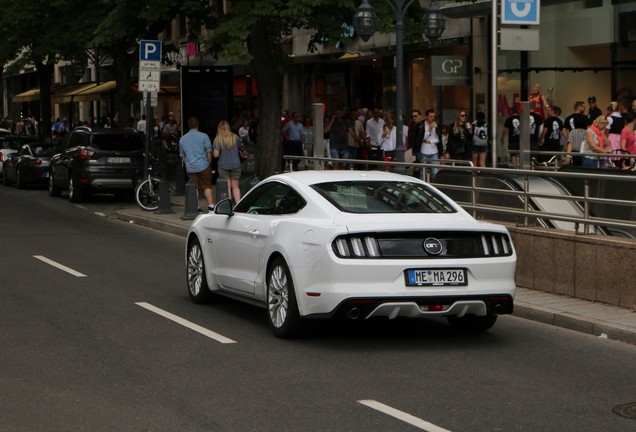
226,146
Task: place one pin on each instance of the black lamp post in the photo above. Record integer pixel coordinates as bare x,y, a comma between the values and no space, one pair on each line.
365,21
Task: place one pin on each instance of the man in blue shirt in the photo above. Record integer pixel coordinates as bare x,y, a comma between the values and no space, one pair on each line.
195,150
294,132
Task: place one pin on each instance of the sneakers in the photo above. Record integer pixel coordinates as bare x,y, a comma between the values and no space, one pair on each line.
199,210
211,208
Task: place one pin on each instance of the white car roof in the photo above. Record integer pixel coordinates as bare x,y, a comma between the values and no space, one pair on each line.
309,177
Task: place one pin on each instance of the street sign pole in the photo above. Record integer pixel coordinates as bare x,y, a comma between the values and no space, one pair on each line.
149,130
149,81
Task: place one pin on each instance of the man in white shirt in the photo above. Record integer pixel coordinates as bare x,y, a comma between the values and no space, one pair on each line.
374,128
429,140
141,124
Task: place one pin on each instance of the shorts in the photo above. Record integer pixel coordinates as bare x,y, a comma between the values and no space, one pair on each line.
513,146
202,179
234,174
479,149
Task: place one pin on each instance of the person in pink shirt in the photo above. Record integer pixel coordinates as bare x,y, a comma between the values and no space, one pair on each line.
628,141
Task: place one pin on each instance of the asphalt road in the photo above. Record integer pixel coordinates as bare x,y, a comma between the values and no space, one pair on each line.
98,334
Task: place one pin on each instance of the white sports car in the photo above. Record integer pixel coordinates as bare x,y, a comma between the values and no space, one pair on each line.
354,244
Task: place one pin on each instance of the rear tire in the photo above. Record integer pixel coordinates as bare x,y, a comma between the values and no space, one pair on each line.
147,194
282,308
472,323
19,183
54,190
196,278
75,194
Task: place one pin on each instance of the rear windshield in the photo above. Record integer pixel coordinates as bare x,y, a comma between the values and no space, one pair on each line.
117,142
43,151
383,197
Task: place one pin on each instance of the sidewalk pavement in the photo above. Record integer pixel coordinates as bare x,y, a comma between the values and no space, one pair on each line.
599,319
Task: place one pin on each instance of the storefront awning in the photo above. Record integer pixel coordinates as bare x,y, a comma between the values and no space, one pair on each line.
27,96
100,91
67,94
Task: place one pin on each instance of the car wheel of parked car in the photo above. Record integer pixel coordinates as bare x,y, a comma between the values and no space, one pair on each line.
472,323
195,274
282,308
75,194
54,191
19,183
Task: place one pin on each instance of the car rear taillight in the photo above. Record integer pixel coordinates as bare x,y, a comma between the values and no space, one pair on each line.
85,154
37,162
356,247
1,157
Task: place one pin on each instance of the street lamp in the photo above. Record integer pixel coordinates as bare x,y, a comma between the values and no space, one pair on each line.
433,23
365,21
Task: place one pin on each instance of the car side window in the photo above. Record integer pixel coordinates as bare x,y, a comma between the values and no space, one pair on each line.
271,199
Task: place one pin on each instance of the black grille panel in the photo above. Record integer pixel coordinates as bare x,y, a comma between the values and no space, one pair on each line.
411,245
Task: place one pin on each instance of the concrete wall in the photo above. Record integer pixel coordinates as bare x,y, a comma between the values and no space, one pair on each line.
593,268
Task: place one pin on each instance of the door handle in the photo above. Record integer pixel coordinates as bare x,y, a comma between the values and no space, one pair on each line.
254,233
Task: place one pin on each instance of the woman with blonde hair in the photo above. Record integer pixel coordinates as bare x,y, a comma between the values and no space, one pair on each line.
460,137
226,149
595,142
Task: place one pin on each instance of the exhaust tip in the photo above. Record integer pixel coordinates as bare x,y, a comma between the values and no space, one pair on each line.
353,313
498,309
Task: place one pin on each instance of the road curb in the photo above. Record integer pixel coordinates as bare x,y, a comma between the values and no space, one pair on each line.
150,221
575,322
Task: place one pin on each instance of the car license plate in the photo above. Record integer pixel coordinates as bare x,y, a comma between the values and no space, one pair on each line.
118,160
45,174
436,277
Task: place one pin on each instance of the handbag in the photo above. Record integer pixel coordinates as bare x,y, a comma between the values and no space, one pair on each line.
243,154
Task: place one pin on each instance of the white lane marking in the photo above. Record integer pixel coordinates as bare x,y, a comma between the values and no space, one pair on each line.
80,206
59,266
100,214
197,328
400,415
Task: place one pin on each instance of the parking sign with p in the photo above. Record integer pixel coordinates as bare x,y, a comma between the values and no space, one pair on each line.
150,50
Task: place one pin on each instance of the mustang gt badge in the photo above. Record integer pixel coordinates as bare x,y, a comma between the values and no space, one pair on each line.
432,246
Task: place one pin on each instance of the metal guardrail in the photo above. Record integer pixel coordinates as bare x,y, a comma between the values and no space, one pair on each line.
525,215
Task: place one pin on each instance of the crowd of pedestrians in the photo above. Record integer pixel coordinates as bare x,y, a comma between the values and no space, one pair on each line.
587,130
371,135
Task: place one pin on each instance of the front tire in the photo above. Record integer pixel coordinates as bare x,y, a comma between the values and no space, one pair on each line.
196,278
472,323
282,308
147,194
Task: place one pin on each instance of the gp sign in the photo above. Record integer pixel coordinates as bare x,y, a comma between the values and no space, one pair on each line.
449,70
520,12
150,50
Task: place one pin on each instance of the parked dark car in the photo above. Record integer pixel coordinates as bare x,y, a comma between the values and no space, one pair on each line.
29,165
10,144
97,160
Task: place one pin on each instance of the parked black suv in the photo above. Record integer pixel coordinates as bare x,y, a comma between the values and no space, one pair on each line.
97,160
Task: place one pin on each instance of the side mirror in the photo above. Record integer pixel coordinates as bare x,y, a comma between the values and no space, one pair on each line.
224,207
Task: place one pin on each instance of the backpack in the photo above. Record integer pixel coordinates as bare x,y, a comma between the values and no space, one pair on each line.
480,135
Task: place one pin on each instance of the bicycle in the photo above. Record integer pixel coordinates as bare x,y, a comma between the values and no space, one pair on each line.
147,191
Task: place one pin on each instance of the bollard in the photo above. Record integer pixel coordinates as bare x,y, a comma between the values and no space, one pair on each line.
191,209
164,198
179,180
221,189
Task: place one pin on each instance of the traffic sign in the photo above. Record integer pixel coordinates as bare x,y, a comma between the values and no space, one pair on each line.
523,12
150,50
149,65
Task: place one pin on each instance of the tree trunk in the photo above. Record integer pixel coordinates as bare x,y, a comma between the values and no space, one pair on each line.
45,77
265,62
122,63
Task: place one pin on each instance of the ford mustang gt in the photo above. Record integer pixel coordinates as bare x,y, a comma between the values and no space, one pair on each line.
351,244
